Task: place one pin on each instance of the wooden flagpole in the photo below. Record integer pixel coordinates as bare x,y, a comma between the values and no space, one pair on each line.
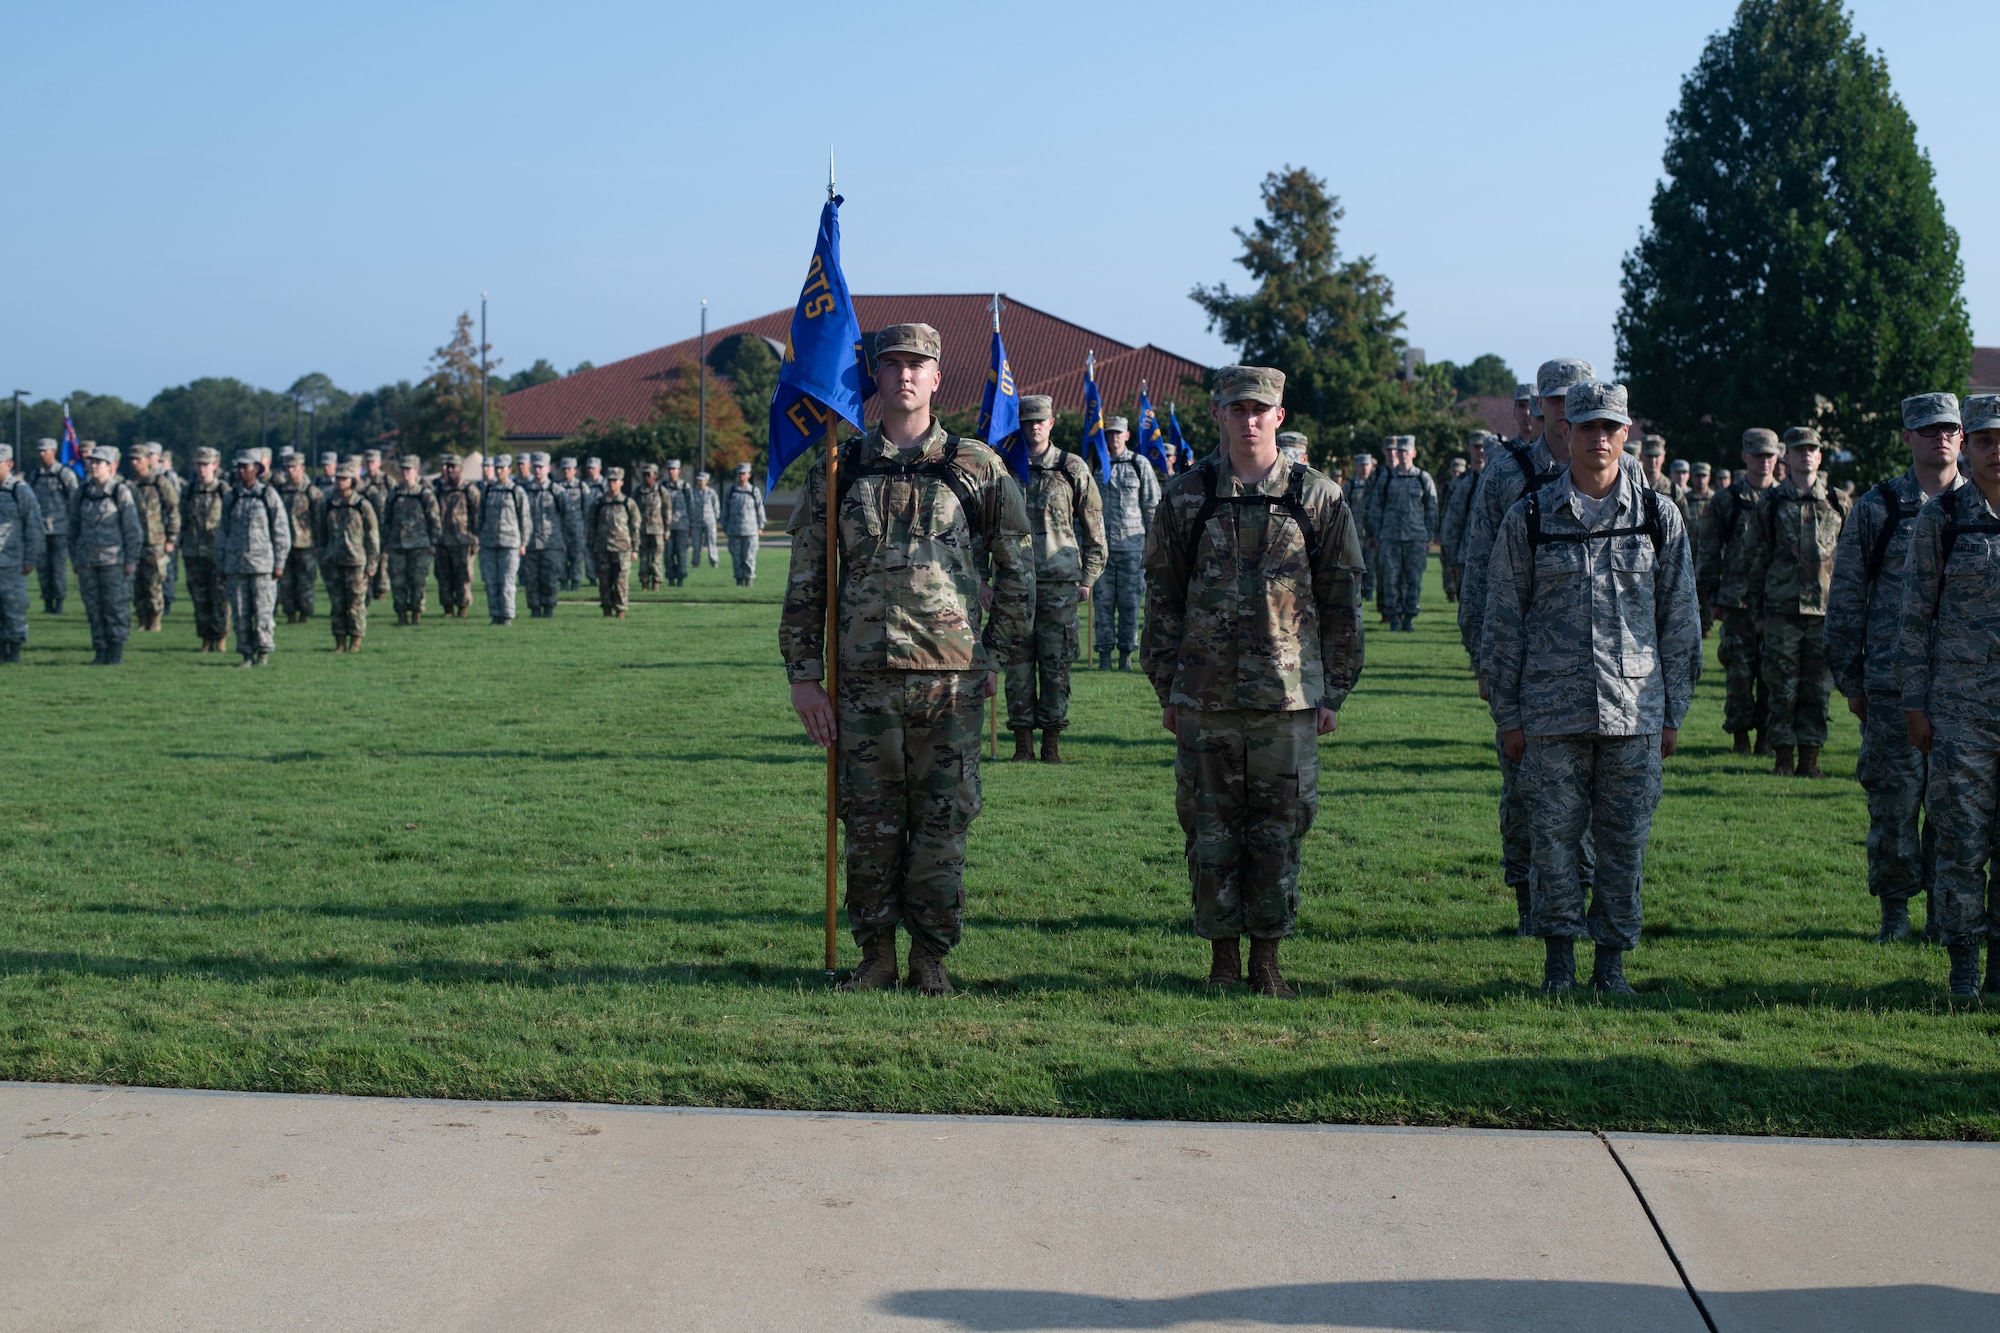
832,658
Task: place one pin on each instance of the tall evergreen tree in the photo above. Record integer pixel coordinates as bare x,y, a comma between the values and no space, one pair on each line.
1799,270
446,416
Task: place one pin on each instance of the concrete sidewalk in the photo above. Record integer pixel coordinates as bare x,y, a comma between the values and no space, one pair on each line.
138,1209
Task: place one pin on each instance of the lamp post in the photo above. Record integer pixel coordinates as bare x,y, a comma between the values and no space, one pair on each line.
18,395
701,430
483,437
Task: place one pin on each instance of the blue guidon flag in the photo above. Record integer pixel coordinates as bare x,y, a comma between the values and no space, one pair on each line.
1183,451
1000,408
1152,445
820,381
1095,451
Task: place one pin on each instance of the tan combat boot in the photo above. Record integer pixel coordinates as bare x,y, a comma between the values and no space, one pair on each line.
1051,747
1809,762
926,971
1265,978
1784,768
1225,965
878,965
1024,745
354,643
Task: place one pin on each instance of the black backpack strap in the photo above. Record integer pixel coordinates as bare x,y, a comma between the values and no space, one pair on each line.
944,469
1879,555
1210,502
1523,459
1952,527
1652,527
1292,501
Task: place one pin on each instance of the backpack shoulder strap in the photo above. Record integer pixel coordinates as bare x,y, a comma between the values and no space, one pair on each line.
1294,502
1524,459
1892,505
1653,526
1210,502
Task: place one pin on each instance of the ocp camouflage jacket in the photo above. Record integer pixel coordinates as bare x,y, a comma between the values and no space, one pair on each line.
1791,549
159,511
653,506
1949,644
346,532
1065,518
104,526
1864,614
614,523
201,515
300,501
1592,632
412,520
910,561
1402,506
1722,560
255,535
458,513
1243,613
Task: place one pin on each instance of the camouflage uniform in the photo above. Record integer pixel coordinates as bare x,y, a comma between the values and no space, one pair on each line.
53,488
1357,508
105,536
1594,646
160,521
575,539
21,540
593,488
253,543
549,525
1453,513
913,662
615,534
743,523
201,516
163,468
458,540
1948,641
1790,562
1402,522
376,488
350,544
652,503
1722,573
1250,631
678,507
412,527
1067,525
1128,501
295,586
704,514
503,531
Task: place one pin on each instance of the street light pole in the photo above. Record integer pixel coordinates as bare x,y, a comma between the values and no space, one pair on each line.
483,372
18,393
701,436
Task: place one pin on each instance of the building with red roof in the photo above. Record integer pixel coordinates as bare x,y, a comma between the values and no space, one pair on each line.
1046,352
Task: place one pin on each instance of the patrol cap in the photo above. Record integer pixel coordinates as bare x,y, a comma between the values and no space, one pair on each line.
614,474
566,462
286,454
1478,438
538,459
46,446
673,463
371,455
1523,391
742,469
503,460
1704,469
1757,440
263,456
104,453
1388,443
328,457
6,453
649,469
207,455
1982,412
450,460
1930,409
1654,446
1259,384
1359,459
1292,437
1119,424
1595,400
244,458
153,447
138,451
1038,407
1457,466
350,469
1555,377
919,338
1406,442
410,460
1678,465
1803,437
594,462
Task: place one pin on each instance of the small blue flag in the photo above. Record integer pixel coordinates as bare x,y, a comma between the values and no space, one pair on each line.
821,378
1182,450
1000,410
71,456
1152,445
1094,450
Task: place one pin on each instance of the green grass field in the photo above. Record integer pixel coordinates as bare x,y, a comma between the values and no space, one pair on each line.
579,859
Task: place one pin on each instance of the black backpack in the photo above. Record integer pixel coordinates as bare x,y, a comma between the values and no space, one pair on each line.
1650,527
1292,501
1893,503
1952,527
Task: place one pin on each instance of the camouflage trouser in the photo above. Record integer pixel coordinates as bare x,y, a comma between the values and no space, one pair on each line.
1604,788
1369,587
1453,576
541,577
1741,650
1516,847
704,545
1038,689
168,584
1797,680
53,572
378,579
678,545
614,579
909,790
1901,855
107,600
295,586
572,575
652,560
743,558
454,571
1963,805
347,598
149,583
252,600
1403,576
409,573
211,599
1115,599
1246,788
500,571
13,605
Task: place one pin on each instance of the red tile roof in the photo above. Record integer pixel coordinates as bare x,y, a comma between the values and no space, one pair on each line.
1046,353
1496,414
1985,369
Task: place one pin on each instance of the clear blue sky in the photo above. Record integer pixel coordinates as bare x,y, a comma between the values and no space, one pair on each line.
265,190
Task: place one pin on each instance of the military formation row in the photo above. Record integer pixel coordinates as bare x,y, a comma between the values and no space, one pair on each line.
265,543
